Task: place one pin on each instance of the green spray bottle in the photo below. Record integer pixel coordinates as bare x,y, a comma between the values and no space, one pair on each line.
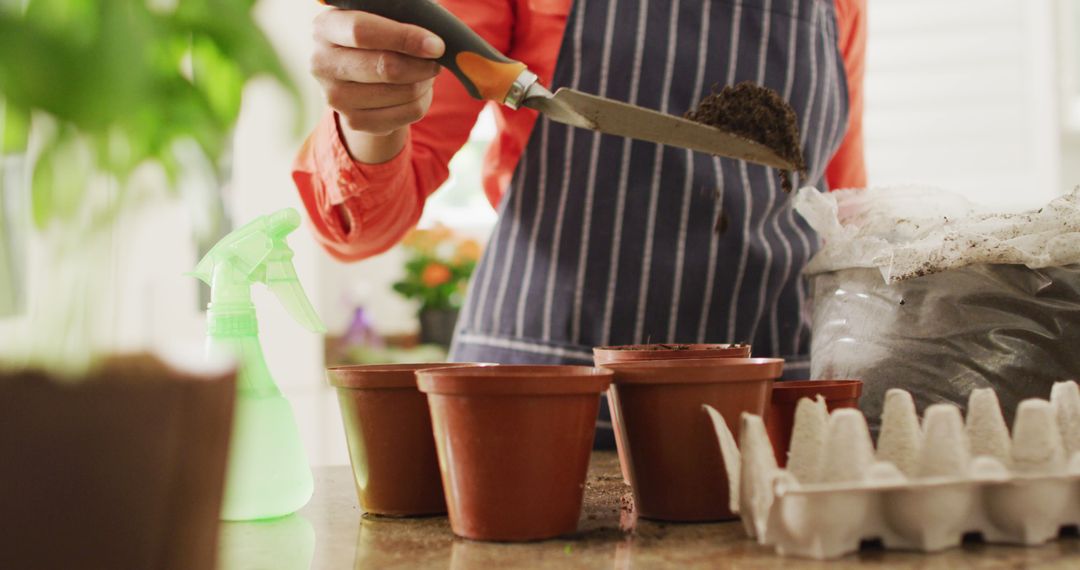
268,473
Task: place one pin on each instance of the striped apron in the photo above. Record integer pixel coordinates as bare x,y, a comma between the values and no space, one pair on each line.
603,240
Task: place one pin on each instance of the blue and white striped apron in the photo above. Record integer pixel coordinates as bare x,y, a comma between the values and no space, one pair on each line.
604,240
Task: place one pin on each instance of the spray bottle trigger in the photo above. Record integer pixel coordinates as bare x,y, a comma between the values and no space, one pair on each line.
282,281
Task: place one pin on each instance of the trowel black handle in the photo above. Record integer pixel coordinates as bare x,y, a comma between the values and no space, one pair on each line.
485,72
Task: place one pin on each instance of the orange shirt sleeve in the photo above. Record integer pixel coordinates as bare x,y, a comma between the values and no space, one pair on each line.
847,169
360,210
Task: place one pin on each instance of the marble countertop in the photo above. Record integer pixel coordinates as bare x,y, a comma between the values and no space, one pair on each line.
331,532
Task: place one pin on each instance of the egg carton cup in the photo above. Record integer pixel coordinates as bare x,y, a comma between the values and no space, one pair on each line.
925,485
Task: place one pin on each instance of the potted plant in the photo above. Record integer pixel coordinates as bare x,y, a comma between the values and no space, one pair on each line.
437,271
109,460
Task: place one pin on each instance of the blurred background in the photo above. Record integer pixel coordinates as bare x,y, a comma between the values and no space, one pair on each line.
978,97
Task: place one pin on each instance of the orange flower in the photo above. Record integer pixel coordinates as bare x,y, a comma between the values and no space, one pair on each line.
468,250
435,274
420,240
427,241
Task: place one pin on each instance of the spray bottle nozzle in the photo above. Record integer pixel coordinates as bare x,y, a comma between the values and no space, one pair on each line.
257,253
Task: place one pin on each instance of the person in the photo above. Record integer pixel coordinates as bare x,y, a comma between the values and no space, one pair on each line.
600,240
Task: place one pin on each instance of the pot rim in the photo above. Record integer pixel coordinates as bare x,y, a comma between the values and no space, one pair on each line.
632,352
794,390
515,380
696,370
692,347
373,376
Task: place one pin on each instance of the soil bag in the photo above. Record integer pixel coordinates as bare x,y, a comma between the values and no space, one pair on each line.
919,289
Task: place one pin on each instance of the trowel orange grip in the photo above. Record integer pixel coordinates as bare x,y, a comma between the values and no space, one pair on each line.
492,79
484,71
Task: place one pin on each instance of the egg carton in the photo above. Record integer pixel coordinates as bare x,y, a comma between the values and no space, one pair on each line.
923,488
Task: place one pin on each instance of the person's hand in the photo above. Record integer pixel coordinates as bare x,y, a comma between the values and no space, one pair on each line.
377,74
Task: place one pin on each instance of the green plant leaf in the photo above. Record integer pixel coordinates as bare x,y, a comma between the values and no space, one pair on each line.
218,78
16,135
77,20
232,27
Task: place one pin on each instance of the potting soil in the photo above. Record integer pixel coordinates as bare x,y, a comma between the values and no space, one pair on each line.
919,289
759,114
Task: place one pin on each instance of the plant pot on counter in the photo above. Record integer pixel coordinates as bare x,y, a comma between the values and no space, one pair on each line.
514,445
785,397
388,429
437,326
674,464
637,352
121,468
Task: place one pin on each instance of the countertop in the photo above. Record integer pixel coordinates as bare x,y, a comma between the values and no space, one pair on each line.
331,532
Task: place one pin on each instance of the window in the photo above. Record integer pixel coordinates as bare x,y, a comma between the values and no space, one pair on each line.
961,95
1070,64
461,203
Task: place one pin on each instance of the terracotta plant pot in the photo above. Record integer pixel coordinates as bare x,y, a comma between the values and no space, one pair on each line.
675,466
388,429
514,445
636,352
124,468
785,397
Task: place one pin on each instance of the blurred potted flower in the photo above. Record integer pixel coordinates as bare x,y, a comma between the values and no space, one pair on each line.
109,460
440,263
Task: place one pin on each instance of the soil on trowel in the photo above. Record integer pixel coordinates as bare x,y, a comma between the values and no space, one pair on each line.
759,114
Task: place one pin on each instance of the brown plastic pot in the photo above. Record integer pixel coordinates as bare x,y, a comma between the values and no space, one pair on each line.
675,466
388,429
785,397
122,468
636,352
514,445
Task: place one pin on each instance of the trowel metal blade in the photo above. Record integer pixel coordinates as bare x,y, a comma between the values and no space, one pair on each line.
617,118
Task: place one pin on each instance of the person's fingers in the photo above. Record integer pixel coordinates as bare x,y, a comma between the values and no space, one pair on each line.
377,73
345,95
369,66
388,119
361,30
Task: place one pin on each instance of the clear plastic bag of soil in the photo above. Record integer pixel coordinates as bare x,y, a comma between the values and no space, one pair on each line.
919,289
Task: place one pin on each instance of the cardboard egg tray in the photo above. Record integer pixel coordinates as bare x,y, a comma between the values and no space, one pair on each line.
924,487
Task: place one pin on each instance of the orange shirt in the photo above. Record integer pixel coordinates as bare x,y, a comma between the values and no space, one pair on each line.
360,210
